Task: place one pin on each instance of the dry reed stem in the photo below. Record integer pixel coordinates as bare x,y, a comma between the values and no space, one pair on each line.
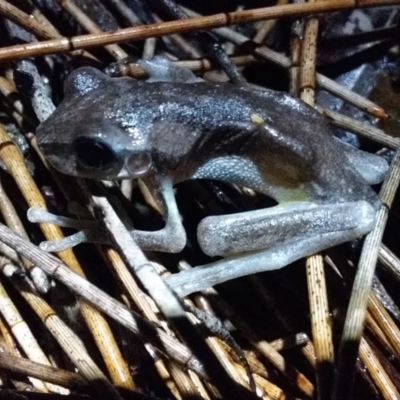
39,25
308,59
268,389
66,338
41,371
284,62
362,285
42,20
125,12
109,306
36,49
222,354
13,13
165,299
183,381
318,298
295,55
320,325
372,325
297,340
9,346
90,26
98,326
375,110
222,351
267,26
389,261
8,342
368,131
13,221
182,26
178,374
24,337
8,90
386,323
295,377
386,387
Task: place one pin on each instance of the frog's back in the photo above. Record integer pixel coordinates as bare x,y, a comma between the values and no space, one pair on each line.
185,126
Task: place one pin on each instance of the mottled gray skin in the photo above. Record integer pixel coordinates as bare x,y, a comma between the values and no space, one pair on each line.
265,140
176,127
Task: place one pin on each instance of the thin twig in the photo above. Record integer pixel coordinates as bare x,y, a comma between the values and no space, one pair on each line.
354,323
111,307
181,26
13,159
317,294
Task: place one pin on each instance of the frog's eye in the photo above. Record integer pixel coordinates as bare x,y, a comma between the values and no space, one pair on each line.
94,154
138,164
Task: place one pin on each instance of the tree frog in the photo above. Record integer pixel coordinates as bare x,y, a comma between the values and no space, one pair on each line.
175,127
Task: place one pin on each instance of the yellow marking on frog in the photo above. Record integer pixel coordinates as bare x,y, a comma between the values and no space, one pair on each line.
256,119
292,195
284,180
287,189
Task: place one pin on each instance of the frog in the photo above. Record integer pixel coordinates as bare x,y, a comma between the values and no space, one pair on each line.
176,126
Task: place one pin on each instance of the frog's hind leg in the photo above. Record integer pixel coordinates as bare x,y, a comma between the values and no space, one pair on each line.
273,238
171,238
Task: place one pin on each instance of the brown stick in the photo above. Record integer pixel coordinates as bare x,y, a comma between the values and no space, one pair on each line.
181,26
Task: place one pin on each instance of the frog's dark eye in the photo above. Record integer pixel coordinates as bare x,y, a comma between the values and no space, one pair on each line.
138,164
94,154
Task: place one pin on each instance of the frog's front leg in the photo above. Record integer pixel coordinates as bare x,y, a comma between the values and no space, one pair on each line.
271,239
170,239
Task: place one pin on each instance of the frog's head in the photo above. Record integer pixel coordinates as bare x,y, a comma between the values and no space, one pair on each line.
89,135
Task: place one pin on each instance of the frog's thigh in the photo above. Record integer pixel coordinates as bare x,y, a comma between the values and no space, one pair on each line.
262,229
202,277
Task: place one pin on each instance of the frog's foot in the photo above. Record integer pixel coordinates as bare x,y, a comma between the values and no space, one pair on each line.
371,167
89,231
271,239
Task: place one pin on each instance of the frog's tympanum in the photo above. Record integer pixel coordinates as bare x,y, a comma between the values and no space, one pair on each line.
175,127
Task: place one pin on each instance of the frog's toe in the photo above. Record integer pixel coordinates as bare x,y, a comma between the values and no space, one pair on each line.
84,236
55,246
89,231
39,215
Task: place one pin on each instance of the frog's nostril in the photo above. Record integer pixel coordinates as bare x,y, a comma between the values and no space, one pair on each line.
138,164
94,154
